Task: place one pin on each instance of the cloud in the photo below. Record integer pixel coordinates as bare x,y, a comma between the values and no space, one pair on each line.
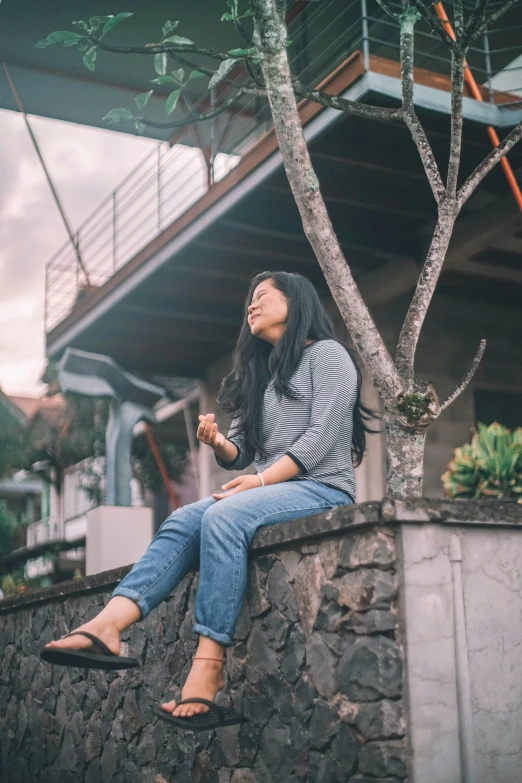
86,164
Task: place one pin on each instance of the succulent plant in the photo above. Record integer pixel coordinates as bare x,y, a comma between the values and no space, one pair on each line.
488,467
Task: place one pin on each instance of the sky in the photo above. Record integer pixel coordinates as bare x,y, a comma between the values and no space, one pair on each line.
86,164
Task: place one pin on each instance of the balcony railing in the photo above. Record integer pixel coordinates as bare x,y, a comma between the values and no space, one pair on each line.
170,179
43,531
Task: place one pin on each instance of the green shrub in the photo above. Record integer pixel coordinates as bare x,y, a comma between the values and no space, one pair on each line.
9,586
488,467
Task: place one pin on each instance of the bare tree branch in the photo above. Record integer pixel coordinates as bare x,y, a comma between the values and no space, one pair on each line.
408,19
475,19
491,19
206,115
467,378
345,105
457,91
281,8
487,164
411,328
458,19
386,7
160,48
207,71
427,12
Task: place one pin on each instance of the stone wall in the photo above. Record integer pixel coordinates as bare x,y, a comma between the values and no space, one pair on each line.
374,641
317,669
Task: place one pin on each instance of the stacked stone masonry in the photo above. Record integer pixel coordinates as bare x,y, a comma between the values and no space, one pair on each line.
317,669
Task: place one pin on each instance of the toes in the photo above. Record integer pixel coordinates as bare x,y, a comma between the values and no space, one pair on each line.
183,711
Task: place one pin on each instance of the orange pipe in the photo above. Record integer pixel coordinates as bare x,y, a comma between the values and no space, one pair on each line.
161,466
474,89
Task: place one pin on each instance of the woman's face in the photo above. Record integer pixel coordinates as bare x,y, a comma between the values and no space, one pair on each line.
268,312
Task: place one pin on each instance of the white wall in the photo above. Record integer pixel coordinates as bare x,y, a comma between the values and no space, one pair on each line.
447,720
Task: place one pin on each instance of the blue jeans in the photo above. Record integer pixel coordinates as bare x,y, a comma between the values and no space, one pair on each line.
216,535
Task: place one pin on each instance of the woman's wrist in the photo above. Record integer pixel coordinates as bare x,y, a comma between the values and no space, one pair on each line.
228,452
261,479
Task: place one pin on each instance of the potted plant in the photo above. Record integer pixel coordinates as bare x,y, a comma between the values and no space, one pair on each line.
488,467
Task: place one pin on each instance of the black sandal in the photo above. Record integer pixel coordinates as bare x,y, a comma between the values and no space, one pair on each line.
222,716
83,659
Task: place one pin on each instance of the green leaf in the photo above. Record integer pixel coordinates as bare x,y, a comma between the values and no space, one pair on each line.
168,27
178,39
164,80
98,21
223,71
247,13
227,17
233,5
81,39
240,52
89,58
172,101
142,99
82,24
160,63
195,75
112,21
59,36
140,127
118,115
178,75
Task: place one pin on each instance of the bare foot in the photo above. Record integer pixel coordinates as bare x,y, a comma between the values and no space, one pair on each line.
204,681
106,632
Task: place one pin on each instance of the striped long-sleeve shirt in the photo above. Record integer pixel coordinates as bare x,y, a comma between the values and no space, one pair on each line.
315,431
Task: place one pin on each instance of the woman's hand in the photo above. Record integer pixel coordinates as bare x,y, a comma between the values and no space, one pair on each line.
238,484
208,431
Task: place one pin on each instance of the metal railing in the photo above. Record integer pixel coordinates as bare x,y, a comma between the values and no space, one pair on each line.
171,179
42,531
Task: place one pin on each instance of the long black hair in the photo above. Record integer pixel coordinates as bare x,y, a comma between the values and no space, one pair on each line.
256,362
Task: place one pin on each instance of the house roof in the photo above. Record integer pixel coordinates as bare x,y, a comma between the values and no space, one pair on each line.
13,409
29,406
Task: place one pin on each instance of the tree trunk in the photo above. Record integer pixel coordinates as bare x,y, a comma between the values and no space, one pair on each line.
404,460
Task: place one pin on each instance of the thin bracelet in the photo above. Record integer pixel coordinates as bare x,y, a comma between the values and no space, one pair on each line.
261,479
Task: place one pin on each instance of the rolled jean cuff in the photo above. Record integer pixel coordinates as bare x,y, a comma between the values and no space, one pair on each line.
222,638
134,596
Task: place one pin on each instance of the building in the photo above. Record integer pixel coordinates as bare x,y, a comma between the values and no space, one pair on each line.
20,490
170,253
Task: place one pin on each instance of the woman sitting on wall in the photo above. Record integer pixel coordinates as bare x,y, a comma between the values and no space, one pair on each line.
294,391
